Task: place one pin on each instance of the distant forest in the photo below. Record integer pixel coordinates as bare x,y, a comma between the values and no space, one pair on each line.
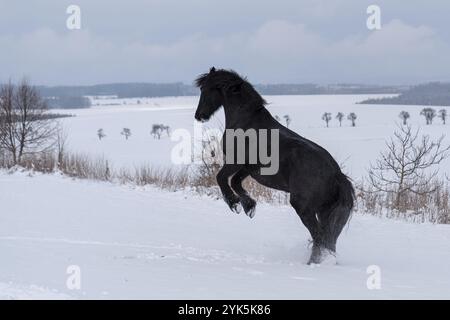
121,90
67,102
311,89
75,96
430,94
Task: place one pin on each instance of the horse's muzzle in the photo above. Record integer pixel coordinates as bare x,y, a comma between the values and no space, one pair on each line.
200,117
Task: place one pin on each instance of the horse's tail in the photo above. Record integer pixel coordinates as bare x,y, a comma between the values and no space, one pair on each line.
339,214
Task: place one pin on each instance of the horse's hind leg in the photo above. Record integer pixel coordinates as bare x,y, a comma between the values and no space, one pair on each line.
223,176
309,219
333,220
328,221
246,201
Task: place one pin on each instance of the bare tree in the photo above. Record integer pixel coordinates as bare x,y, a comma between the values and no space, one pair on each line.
408,165
429,114
287,118
277,118
352,117
25,128
126,132
158,129
101,134
340,116
404,115
326,117
8,141
61,144
443,115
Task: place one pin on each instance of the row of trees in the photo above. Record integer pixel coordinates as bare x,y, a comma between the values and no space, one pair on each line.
157,131
286,118
25,125
126,132
428,113
340,116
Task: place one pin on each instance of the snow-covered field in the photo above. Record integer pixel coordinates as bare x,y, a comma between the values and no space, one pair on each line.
146,243
353,147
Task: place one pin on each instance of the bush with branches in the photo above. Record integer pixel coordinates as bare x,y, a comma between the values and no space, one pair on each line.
409,165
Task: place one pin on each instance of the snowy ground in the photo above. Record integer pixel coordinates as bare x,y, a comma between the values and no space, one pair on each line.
353,147
147,243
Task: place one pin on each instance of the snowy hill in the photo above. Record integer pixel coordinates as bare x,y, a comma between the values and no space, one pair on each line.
147,243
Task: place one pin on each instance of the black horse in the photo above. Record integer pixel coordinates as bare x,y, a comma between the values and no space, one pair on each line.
319,192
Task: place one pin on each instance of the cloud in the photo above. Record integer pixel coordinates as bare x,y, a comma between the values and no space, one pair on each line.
276,51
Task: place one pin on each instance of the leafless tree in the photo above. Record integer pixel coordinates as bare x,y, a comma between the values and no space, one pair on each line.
352,117
25,127
61,144
158,129
340,116
408,165
404,115
429,114
326,117
288,120
101,134
126,132
443,115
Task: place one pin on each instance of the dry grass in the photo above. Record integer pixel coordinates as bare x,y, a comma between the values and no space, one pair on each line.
433,207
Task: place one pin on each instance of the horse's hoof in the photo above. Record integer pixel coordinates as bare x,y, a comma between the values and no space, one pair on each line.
328,258
233,204
323,256
249,206
315,255
313,262
236,208
251,213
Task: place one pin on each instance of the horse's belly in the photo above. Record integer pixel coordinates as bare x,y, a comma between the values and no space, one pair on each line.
272,181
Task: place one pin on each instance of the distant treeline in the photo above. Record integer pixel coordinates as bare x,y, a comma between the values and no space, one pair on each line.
135,90
312,89
121,90
75,96
67,102
430,94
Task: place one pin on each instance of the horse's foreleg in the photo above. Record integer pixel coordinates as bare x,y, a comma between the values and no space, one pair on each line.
246,201
223,176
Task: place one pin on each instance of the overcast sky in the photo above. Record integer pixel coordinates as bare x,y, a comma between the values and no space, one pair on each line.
288,41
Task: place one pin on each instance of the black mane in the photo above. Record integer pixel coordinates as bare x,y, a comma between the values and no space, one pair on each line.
223,79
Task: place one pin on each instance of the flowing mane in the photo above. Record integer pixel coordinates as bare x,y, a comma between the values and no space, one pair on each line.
223,79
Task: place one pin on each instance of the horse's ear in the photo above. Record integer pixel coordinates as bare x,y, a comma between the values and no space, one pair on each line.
212,70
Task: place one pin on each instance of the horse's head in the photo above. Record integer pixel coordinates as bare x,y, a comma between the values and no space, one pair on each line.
219,87
211,97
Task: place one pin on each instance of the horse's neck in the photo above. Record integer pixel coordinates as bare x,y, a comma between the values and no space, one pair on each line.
230,120
237,118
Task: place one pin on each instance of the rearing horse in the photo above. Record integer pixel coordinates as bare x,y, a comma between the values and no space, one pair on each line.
319,192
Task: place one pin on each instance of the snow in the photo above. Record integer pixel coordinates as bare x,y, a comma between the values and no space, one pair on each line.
144,243
132,242
354,147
